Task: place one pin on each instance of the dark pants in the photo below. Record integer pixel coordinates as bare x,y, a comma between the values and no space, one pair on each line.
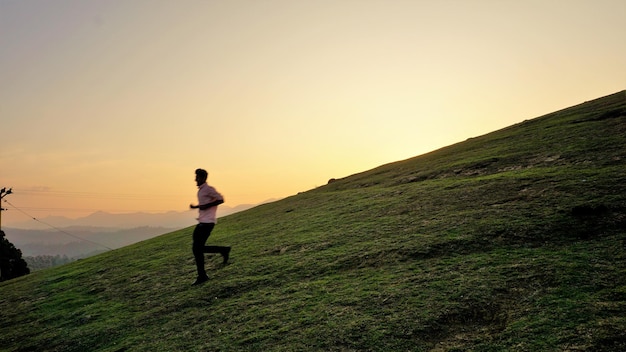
200,234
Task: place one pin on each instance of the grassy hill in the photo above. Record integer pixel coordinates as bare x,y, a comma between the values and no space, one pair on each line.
512,241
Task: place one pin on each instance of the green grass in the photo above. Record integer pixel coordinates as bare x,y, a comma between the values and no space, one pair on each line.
477,246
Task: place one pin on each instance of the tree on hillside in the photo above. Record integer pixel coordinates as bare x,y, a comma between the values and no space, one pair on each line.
11,263
40,262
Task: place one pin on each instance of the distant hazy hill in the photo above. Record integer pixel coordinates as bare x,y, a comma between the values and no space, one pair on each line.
95,232
170,219
78,241
511,241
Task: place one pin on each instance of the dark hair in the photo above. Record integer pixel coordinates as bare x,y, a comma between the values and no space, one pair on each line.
202,173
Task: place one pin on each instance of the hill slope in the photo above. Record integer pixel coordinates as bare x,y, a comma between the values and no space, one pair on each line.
509,241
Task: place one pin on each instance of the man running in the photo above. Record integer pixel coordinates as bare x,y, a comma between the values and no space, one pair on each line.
208,200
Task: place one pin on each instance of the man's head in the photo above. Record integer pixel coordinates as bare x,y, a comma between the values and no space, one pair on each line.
201,176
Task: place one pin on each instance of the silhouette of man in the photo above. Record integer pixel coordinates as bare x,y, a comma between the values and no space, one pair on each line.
208,200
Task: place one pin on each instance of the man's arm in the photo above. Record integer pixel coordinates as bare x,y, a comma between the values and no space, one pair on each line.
206,206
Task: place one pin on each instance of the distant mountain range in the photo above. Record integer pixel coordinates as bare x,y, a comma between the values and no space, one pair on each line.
100,231
78,242
171,219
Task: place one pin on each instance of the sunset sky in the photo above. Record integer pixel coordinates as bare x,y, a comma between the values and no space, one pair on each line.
112,104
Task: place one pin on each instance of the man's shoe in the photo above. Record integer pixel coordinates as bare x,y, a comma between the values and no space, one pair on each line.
200,279
226,254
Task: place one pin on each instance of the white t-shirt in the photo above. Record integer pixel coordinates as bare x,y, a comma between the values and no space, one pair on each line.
206,195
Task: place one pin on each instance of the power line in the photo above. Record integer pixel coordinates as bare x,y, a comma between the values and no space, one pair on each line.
56,228
125,197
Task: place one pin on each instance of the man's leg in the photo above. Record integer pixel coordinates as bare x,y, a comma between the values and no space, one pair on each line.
224,251
200,235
